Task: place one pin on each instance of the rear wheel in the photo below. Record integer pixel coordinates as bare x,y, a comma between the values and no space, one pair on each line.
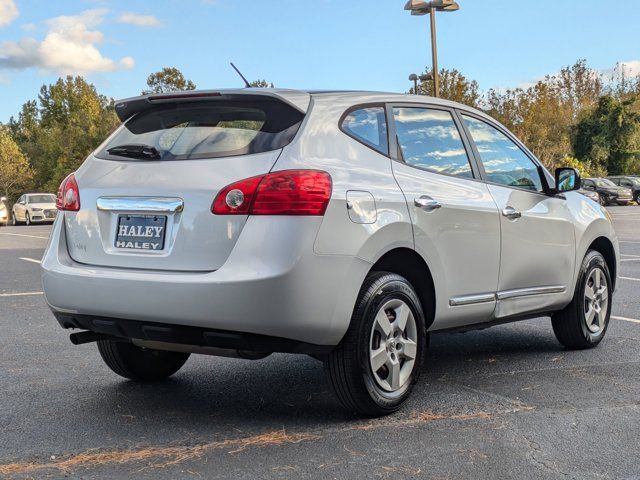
373,369
583,323
140,364
14,221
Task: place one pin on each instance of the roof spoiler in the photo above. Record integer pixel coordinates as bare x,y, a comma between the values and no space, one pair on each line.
129,107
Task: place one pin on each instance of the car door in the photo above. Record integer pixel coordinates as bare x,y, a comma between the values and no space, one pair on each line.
538,237
455,220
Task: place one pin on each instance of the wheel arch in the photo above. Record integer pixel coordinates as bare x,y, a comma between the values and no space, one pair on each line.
605,247
409,264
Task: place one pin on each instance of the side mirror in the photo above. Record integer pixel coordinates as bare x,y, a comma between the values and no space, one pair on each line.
567,179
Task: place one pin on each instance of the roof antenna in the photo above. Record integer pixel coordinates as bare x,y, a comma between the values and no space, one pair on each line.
247,84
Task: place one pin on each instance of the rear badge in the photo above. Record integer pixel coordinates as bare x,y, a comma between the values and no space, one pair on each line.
141,232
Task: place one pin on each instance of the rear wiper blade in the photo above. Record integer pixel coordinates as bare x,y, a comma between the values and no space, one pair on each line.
135,151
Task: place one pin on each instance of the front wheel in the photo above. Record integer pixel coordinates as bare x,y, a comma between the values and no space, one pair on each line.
140,364
583,323
373,369
602,200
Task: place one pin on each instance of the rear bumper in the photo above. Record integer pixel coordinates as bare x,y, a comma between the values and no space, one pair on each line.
269,286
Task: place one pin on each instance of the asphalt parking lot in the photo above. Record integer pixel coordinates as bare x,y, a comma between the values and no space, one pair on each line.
507,402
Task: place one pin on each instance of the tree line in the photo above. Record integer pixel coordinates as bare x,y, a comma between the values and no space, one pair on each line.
577,117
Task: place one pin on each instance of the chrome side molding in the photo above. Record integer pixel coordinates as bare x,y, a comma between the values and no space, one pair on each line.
505,295
472,299
140,204
527,292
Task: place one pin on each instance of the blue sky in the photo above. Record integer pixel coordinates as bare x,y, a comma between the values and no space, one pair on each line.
360,44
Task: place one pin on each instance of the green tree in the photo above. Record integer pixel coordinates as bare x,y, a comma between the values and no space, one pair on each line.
261,84
15,171
453,86
609,136
69,120
169,79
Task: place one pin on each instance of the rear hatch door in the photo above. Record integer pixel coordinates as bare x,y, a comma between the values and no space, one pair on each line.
152,210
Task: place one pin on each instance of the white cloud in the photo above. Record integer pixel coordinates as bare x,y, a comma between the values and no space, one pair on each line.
139,20
8,12
630,68
69,47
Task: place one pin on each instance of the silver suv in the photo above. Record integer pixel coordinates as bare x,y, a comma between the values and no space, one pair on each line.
343,225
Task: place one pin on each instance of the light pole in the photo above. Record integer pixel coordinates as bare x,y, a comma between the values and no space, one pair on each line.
414,78
420,7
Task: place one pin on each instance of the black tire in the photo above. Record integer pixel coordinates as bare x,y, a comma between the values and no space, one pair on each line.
570,324
602,200
348,366
140,364
637,198
27,219
14,221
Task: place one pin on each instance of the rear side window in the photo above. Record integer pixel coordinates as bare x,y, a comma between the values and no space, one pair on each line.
196,130
369,126
429,139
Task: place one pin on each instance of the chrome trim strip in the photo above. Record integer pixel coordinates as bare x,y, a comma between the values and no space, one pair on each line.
472,299
527,292
140,204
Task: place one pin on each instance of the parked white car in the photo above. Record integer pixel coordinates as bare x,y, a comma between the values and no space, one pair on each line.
344,225
34,208
4,213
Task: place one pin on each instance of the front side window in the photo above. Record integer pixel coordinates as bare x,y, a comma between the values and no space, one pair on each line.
504,162
369,126
429,139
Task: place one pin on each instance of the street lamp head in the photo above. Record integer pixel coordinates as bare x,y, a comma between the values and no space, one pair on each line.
420,7
413,77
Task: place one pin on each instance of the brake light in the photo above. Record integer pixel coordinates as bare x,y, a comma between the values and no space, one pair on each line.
289,192
68,195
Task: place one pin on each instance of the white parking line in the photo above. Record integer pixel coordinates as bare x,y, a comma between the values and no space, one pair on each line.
22,235
628,241
627,255
632,320
630,260
20,294
630,278
27,259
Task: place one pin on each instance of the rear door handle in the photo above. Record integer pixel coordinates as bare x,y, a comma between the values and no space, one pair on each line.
511,213
427,203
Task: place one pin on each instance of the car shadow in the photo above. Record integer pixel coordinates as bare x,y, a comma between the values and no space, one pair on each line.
290,391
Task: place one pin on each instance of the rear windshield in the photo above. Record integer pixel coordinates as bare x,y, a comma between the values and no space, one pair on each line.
187,131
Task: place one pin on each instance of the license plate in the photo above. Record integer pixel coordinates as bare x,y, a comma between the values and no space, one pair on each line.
141,232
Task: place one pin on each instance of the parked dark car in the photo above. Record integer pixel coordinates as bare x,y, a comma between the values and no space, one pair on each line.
609,192
632,182
590,194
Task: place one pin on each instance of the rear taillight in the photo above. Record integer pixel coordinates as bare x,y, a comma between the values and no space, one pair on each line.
68,195
290,192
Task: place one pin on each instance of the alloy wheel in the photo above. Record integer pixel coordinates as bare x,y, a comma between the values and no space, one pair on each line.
393,345
596,300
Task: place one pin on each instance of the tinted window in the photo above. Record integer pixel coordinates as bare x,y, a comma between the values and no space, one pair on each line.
185,131
368,125
504,162
429,139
